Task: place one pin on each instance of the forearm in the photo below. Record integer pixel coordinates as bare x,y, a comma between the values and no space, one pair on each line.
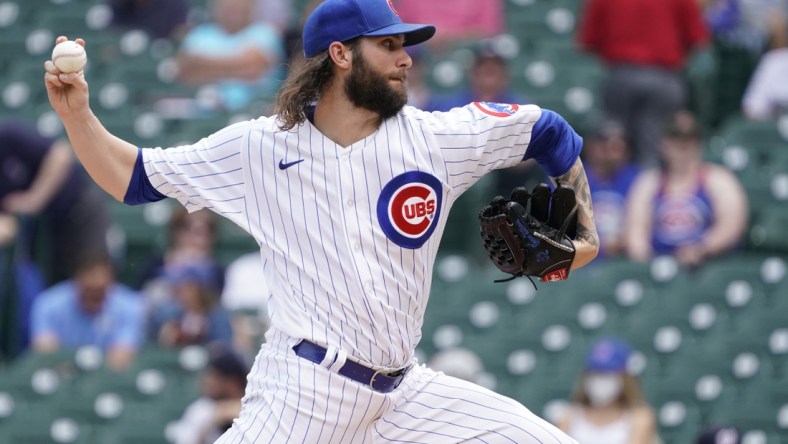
587,240
8,229
199,70
120,357
638,248
721,238
108,159
45,343
731,210
53,172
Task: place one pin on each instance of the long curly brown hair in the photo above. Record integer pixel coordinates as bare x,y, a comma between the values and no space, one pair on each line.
307,78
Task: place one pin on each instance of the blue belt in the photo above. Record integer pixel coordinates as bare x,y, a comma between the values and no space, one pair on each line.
375,379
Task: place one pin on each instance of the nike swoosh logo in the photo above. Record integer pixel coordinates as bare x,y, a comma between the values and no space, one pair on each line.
284,166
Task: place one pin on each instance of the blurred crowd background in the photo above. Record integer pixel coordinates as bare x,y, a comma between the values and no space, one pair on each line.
127,324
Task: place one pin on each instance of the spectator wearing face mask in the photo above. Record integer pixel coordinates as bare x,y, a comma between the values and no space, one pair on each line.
608,407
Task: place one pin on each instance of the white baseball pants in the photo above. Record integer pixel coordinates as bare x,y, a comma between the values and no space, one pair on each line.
292,400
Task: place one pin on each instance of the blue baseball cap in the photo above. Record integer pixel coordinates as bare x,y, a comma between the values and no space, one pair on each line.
608,355
198,273
342,20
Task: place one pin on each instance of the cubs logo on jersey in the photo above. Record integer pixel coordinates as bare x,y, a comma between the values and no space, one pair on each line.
682,218
497,109
408,208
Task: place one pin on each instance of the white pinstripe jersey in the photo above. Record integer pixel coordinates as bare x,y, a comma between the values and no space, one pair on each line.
348,235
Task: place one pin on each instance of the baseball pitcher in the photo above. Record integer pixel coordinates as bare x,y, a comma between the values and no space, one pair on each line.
347,191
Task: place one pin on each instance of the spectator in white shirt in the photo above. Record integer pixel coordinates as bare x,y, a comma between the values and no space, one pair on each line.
766,96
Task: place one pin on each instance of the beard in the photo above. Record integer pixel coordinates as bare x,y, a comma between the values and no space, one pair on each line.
369,89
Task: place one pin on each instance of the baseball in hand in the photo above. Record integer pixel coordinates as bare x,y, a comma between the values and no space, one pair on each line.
69,56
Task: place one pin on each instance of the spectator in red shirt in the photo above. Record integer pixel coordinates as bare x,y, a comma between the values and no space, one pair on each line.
645,44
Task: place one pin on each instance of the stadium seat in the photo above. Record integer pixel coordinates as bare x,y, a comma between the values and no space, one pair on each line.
752,413
733,282
679,421
13,407
46,427
769,231
757,135
138,232
767,333
65,20
149,427
39,376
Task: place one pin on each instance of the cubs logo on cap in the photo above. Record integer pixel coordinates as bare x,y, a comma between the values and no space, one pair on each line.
408,208
343,20
391,5
608,354
497,109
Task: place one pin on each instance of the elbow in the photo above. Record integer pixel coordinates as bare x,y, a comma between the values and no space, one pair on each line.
593,252
586,250
117,192
119,197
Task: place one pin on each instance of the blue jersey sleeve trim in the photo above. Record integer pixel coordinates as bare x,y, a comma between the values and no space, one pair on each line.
554,144
140,190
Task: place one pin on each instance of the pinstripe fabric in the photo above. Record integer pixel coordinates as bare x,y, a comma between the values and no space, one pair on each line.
335,276
292,400
339,274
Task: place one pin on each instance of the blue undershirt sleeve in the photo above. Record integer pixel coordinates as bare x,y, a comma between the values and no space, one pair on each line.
554,144
140,190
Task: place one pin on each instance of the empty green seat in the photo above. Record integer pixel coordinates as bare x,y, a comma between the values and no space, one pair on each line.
769,231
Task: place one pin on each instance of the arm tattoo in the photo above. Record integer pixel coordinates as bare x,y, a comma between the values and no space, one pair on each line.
576,178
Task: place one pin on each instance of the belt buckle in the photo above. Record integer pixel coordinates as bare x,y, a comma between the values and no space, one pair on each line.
372,379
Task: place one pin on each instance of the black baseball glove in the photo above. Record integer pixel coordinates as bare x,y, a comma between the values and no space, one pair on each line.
530,234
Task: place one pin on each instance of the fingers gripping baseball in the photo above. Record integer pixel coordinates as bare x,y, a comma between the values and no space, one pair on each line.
67,91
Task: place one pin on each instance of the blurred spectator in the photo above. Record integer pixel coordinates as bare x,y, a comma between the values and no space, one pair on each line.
222,386
687,207
458,362
192,315
718,435
488,81
159,18
756,25
90,309
766,96
419,93
239,56
457,21
608,407
610,176
40,177
293,34
277,13
245,296
191,239
645,46
743,30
